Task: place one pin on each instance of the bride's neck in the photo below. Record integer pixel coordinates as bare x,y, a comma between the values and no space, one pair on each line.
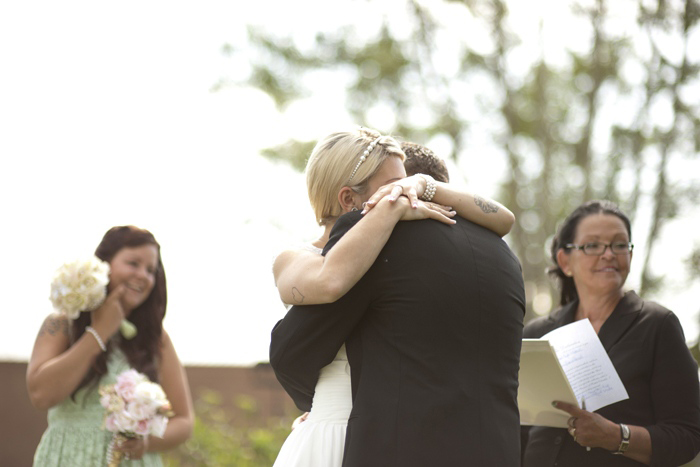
323,239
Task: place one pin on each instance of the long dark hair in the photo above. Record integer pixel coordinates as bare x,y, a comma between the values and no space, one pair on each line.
567,233
143,351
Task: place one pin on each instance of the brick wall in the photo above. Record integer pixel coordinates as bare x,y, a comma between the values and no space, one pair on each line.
21,425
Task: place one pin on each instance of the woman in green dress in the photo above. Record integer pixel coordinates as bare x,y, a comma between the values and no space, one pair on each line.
73,358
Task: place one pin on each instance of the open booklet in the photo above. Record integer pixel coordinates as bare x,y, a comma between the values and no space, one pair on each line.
568,364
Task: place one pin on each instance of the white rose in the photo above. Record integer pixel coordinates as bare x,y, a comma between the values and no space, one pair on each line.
79,286
124,422
150,393
140,410
72,302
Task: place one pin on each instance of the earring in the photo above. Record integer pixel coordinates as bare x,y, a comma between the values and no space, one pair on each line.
354,209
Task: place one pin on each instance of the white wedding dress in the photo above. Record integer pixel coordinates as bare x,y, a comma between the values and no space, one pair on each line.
319,441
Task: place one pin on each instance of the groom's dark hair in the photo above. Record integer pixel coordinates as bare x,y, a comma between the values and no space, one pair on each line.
420,159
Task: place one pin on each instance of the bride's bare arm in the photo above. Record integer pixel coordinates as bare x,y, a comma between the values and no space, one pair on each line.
483,211
304,277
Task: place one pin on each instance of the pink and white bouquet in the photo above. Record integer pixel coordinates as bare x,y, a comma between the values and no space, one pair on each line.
134,407
81,285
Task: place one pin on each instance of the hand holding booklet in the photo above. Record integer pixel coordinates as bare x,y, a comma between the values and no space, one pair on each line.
568,364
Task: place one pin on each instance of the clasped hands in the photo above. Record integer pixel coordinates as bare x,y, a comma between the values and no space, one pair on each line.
406,191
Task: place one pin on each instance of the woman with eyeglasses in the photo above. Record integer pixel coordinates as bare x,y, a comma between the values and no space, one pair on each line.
659,424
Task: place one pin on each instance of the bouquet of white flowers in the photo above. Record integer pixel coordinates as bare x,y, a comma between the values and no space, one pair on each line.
82,286
134,407
79,286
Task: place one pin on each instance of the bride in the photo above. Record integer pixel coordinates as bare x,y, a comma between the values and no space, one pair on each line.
348,171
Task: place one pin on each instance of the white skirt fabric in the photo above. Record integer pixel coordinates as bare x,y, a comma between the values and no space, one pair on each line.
320,440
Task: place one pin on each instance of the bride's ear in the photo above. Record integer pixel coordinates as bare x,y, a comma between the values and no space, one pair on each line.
347,199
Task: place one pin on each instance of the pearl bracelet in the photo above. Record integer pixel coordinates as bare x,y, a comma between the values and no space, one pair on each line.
92,331
430,188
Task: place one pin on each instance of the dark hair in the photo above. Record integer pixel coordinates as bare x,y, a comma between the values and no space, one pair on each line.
420,159
567,233
143,350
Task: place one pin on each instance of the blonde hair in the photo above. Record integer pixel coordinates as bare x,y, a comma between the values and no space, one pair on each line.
332,162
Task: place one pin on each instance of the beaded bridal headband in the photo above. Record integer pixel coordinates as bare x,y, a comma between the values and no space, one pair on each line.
364,156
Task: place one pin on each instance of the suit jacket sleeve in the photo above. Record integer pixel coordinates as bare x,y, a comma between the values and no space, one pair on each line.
309,336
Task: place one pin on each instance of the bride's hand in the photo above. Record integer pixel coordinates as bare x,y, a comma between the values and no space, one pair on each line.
300,419
408,187
426,210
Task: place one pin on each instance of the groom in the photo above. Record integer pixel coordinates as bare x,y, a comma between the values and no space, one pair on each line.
433,333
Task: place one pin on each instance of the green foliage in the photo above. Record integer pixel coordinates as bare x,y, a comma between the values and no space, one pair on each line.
222,439
693,264
695,351
294,152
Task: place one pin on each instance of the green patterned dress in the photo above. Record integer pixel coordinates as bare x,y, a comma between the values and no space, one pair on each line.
75,438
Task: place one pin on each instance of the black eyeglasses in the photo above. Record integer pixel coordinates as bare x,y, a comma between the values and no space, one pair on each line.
597,248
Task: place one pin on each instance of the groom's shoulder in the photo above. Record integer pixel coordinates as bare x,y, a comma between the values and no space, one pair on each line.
476,229
486,244
436,230
341,227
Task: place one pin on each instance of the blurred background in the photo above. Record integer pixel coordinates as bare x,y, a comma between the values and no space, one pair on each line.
195,120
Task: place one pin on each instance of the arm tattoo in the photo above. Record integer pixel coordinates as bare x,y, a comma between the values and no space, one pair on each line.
298,296
485,206
54,326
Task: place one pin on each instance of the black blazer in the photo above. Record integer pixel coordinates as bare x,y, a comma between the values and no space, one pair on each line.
646,345
433,335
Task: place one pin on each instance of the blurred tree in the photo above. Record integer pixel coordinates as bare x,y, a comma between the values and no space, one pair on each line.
603,107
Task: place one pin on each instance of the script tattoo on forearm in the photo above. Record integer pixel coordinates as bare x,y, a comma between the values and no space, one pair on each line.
53,326
486,206
298,296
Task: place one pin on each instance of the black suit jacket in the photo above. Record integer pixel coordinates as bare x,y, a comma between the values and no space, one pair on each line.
433,335
646,345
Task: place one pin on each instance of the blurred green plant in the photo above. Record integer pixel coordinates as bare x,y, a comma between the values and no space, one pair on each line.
224,438
695,351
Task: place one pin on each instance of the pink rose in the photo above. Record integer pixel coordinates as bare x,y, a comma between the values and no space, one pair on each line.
143,428
127,382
